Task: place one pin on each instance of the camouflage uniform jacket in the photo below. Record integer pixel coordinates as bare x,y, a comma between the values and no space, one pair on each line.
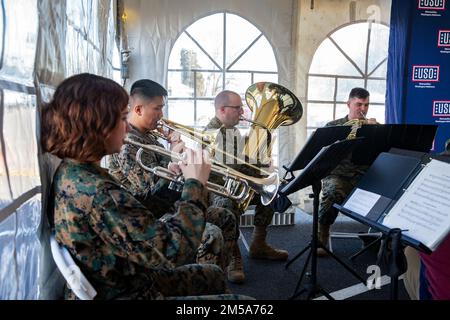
346,168
128,172
159,199
112,235
229,140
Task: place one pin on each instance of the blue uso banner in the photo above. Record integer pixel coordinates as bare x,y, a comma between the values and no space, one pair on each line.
418,78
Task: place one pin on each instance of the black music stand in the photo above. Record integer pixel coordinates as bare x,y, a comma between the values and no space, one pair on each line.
378,138
383,137
389,176
318,168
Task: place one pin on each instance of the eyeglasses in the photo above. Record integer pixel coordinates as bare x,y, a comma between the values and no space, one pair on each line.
234,107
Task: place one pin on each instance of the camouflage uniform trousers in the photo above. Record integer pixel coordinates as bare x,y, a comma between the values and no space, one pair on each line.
194,282
335,189
187,282
217,238
223,225
263,214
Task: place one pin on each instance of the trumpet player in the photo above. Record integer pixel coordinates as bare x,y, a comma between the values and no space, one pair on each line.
119,244
228,111
147,100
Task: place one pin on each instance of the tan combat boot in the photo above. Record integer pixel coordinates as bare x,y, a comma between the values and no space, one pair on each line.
323,237
235,270
259,249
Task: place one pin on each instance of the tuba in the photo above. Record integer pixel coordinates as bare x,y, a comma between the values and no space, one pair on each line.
272,106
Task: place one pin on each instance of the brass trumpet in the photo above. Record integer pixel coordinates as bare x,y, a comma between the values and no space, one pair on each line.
236,186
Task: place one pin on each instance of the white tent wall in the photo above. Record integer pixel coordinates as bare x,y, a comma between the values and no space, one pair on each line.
49,41
19,191
154,26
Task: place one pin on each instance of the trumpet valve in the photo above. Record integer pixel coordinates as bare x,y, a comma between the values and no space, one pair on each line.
177,184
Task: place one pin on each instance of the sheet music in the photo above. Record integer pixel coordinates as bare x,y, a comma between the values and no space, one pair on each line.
424,208
362,201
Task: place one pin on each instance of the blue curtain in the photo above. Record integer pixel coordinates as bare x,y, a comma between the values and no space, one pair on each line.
418,72
400,33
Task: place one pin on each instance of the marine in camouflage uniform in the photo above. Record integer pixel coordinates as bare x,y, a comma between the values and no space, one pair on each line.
142,184
153,192
338,184
119,244
230,139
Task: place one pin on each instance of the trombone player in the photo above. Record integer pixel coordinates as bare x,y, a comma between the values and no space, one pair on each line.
228,111
147,100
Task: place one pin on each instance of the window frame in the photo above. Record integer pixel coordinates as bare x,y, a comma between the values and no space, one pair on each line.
223,70
364,74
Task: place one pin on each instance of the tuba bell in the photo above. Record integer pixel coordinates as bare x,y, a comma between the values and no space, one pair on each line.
272,106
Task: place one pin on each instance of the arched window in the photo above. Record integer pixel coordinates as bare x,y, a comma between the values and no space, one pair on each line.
352,56
220,51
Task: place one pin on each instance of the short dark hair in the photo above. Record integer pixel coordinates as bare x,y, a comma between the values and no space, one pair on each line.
83,112
360,93
147,89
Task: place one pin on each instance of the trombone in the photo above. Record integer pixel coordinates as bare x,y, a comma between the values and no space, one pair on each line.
206,139
236,185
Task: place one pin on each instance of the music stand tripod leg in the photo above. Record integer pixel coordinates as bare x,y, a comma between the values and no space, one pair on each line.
296,292
312,288
345,265
297,256
370,245
325,294
394,288
315,288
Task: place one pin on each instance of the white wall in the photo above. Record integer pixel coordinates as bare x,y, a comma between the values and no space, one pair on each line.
154,26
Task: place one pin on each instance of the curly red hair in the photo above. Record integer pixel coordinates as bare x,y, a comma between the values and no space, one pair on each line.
82,114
